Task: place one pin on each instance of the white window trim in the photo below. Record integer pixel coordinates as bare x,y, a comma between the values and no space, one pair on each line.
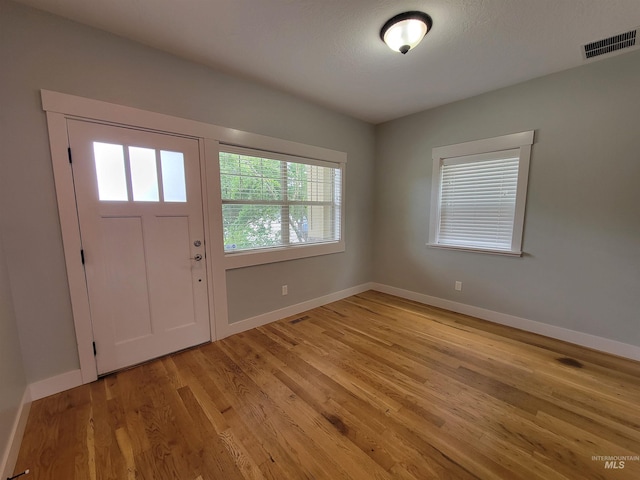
59,107
521,141
259,256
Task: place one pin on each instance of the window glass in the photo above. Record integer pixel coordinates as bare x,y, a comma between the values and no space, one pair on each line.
275,203
249,226
173,177
250,178
144,174
110,171
478,203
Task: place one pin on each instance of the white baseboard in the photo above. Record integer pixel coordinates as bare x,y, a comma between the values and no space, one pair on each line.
584,339
10,456
57,384
263,319
32,392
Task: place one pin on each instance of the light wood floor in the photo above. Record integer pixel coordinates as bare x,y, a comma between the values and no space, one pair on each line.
370,387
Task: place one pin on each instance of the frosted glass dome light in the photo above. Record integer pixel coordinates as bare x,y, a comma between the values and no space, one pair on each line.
404,31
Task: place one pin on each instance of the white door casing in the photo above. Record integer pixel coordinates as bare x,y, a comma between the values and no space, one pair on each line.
143,245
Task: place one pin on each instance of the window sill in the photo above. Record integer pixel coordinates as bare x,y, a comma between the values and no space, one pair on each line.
250,258
507,253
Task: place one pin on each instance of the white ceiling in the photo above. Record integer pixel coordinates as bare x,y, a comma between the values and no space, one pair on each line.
330,52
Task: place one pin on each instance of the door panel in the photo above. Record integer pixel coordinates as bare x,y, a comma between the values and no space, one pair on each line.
174,295
125,272
141,222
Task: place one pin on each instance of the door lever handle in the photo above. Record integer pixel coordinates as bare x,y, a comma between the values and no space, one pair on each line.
197,257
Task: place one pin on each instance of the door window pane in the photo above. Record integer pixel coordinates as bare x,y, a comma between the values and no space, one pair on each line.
112,180
144,175
173,178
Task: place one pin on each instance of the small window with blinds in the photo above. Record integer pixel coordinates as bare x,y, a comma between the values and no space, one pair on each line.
271,200
479,194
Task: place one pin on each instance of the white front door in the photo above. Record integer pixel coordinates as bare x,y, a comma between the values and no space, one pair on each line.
140,209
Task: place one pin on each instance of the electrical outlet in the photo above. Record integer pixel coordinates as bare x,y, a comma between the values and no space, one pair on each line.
285,290
458,286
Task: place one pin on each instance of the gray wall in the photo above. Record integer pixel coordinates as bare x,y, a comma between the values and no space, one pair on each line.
12,379
581,269
42,51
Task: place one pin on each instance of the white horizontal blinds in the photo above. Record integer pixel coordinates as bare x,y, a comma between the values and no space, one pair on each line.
270,200
478,200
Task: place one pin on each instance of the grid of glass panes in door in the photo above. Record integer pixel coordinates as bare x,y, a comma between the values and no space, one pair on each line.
127,173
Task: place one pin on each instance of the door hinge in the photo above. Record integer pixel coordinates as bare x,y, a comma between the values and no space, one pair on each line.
69,153
95,352
82,256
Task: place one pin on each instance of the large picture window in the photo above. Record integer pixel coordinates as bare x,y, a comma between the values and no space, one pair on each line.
272,200
479,194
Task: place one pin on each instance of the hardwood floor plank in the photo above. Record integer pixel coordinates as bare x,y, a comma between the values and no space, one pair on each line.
216,458
325,390
333,415
369,387
299,418
279,434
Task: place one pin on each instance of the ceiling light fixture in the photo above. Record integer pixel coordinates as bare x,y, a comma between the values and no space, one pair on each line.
404,31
